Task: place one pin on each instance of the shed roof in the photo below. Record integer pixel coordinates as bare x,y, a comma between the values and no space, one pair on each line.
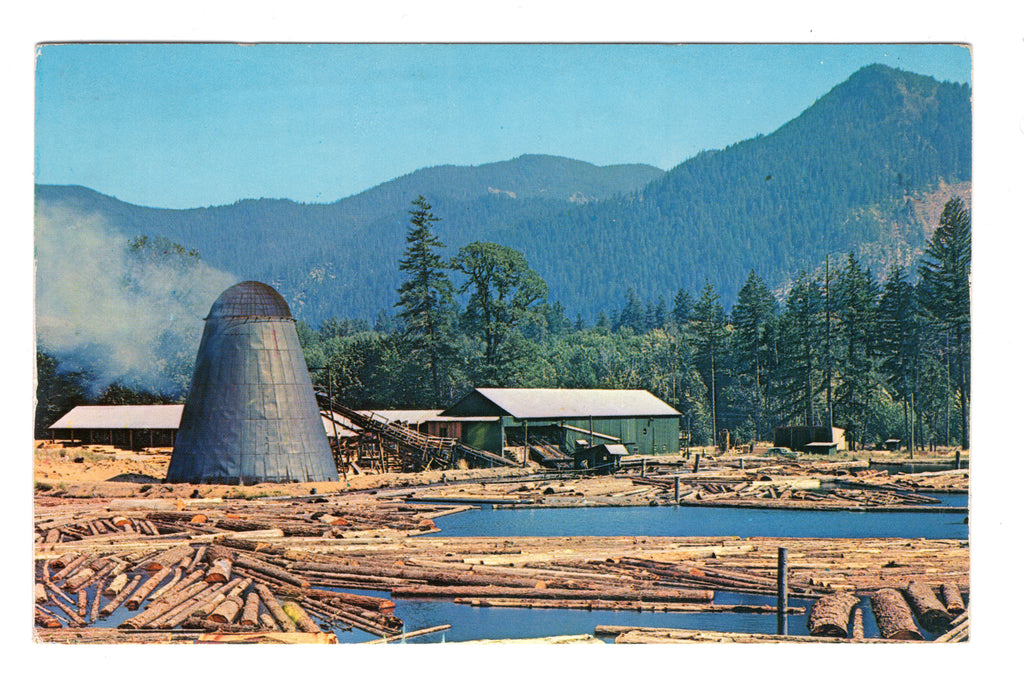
566,403
153,417
121,417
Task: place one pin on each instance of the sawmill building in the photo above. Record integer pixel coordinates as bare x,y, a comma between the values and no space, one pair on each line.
566,419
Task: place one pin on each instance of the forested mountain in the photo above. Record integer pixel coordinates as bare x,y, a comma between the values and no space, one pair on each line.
865,169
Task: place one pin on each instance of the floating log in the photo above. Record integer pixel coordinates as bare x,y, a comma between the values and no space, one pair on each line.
83,603
145,589
830,615
69,610
954,601
94,612
80,578
270,570
221,560
410,634
40,593
299,617
211,626
268,623
251,610
226,611
616,605
930,612
858,624
274,607
46,619
892,614
637,634
170,585
200,554
63,561
366,602
166,559
371,622
681,595
109,608
162,607
71,567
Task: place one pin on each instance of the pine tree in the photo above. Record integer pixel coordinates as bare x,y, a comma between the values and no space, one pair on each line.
708,319
426,305
800,344
682,307
752,318
856,301
899,340
945,290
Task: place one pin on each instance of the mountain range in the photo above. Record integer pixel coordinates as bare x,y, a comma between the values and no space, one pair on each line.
865,169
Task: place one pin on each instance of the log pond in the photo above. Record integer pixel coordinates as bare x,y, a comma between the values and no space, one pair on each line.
470,622
709,521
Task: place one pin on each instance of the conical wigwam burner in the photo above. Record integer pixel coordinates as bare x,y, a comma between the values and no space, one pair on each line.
251,415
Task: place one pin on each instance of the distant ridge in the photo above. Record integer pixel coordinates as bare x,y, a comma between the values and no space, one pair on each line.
860,170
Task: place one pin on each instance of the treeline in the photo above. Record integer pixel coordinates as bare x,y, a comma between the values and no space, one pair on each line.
887,359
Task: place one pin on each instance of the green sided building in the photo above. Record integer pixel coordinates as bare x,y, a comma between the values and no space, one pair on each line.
567,419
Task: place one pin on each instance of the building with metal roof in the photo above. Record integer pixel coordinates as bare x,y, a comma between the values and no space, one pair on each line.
129,426
563,418
149,425
250,415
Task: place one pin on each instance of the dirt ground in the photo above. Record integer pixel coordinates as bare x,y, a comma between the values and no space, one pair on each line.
107,472
100,471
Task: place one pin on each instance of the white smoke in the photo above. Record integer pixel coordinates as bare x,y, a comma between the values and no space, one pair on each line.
118,315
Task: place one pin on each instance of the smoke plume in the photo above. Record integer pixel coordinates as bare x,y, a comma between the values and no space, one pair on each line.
116,313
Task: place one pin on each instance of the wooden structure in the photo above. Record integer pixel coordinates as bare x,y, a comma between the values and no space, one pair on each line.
798,437
130,426
600,459
635,419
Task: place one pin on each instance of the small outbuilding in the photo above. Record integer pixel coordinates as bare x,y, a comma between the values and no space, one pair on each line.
821,447
600,459
797,437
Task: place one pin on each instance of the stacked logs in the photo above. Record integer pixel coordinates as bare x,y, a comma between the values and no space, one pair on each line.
207,587
119,526
292,518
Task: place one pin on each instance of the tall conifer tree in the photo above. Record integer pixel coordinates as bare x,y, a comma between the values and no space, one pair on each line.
946,295
426,305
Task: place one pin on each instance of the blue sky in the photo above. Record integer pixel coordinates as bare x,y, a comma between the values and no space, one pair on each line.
186,125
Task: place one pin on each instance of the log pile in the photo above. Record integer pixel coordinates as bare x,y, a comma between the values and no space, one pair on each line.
276,566
949,481
204,587
775,488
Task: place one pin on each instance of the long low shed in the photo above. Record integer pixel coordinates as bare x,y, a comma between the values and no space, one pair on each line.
138,426
567,418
